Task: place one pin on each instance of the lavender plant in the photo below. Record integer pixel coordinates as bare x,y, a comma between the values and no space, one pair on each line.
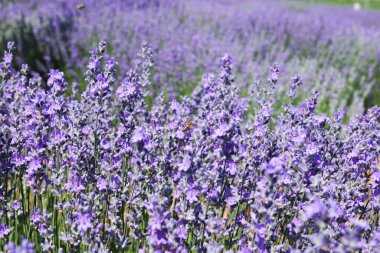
100,171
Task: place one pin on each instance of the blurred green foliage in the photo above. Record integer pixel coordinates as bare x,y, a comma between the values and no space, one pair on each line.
370,4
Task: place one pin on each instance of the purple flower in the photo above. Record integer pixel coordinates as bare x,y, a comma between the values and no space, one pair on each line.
185,164
275,166
275,70
102,184
191,196
221,131
231,167
180,232
25,247
4,231
312,149
56,81
75,184
16,205
138,135
35,217
83,222
11,45
8,58
313,209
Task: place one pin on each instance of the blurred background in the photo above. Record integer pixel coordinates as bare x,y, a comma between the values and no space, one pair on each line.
366,4
332,44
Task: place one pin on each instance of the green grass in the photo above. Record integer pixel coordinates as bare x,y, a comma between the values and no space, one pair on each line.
370,4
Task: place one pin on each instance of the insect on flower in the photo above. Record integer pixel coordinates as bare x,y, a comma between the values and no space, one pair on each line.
80,6
188,126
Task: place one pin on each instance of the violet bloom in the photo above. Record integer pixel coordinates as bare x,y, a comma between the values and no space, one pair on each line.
191,195
25,247
83,222
186,163
4,231
16,205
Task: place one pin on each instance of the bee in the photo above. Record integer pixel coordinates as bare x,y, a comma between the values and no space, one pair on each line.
80,6
188,126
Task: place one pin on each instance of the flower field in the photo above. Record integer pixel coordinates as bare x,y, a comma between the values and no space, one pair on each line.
189,126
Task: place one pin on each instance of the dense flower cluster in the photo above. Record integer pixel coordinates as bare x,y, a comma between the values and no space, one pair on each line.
100,171
334,48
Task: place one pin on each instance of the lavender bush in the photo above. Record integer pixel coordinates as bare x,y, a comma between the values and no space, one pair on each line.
99,171
194,151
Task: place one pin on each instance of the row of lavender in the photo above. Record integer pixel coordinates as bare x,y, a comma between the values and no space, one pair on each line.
334,48
104,174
